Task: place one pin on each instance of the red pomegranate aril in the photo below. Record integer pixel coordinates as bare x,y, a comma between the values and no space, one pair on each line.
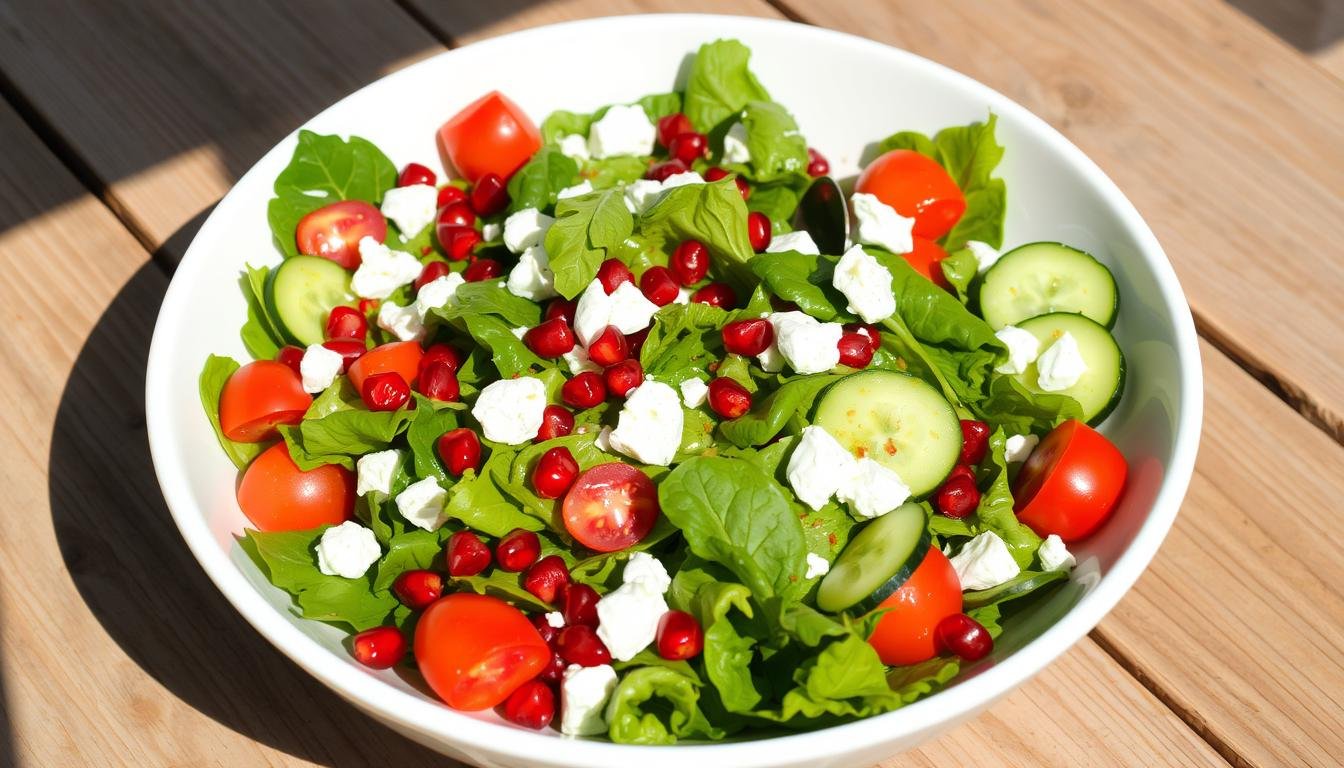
432,271
547,578
579,644
449,195
442,353
716,174
292,356
584,391
415,173
555,671
660,171
612,273
555,473
672,126
466,554
580,605
456,215
438,381
961,470
458,242
690,262
367,306
963,636
385,391
346,323
869,332
758,230
518,549
748,337
780,305
552,338
635,342
556,421
688,147
531,705
659,286
380,647
417,589
817,164
974,441
716,295
561,308
957,497
728,398
539,621
490,195
482,269
350,350
679,636
460,450
623,377
609,348
856,350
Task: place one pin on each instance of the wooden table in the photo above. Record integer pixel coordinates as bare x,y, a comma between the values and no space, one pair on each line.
122,126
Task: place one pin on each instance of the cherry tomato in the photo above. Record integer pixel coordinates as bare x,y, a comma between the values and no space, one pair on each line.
334,231
477,669
926,259
277,496
610,507
259,396
905,634
1070,484
916,186
491,135
401,357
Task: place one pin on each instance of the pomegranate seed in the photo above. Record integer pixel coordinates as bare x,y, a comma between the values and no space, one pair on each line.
780,305
728,398
579,644
690,262
957,497
460,450
415,173
449,195
688,147
367,306
554,473
748,337
716,295
555,671
432,271
869,332
679,636
974,441
490,195
612,273
443,353
658,286
380,647
580,605
660,171
417,589
350,350
438,381
556,421
585,390
672,126
609,348
622,377
518,549
552,338
458,242
346,323
531,705
817,165
546,579
467,555
716,173
856,350
385,391
539,621
561,308
758,230
292,356
635,342
963,636
456,215
960,470
482,269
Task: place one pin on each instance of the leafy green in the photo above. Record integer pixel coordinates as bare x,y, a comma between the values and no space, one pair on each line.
777,201
214,376
1021,585
427,426
805,280
289,561
720,84
536,184
728,650
563,123
480,503
509,354
343,435
260,333
508,587
932,315
490,297
409,551
778,150
1019,410
657,705
960,268
682,337
715,215
995,511
769,415
586,228
583,447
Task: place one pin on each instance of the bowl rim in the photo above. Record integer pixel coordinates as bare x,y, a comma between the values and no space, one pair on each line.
415,714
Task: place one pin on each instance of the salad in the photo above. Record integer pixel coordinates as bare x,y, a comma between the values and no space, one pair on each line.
588,433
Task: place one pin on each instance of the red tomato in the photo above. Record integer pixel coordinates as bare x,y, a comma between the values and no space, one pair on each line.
926,260
492,135
277,496
401,357
916,186
904,635
259,396
1070,483
477,669
610,507
334,231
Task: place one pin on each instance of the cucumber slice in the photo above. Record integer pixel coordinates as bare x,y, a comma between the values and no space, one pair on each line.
876,562
301,293
1018,586
897,420
1099,388
1040,278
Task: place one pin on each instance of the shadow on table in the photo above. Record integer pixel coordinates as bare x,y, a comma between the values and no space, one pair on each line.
1307,25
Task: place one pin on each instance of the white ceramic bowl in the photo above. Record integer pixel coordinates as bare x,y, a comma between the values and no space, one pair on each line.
846,92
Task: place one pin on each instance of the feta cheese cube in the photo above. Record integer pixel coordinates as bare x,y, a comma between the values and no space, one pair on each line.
735,144
867,285
603,440
374,471
1054,556
873,490
877,223
574,146
422,504
985,255
582,188
693,392
347,550
592,312
519,332
683,296
411,208
984,562
1060,365
319,367
556,619
578,361
798,240
817,566
403,322
531,278
492,231
818,467
809,346
583,699
525,228
1023,348
640,194
623,130
382,270
437,293
682,179
628,619
510,410
650,423
1017,448
645,568
631,311
772,361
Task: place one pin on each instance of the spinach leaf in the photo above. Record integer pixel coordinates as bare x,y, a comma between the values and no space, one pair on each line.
289,561
1018,410
490,297
805,280
728,650
508,587
715,215
930,313
586,229
778,201
778,150
995,511
343,435
409,551
681,336
479,502
509,354
536,184
767,417
427,426
214,375
960,268
720,84
657,705
260,333
1021,585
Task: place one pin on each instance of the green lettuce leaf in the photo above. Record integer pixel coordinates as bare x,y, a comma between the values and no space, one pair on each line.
536,184
214,375
720,84
715,215
728,649
260,333
586,229
422,436
491,297
480,503
805,280
657,705
288,559
778,150
769,415
342,436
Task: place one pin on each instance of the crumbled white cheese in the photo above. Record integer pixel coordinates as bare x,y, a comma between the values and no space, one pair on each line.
574,146
646,568
735,145
1060,365
603,440
984,562
877,223
682,179
809,346
628,617
403,322
510,410
519,332
439,292
531,278
374,471
867,285
626,308
623,130
578,361
818,467
683,296
411,208
649,426
382,270
422,504
583,699
582,188
347,550
1017,448
492,231
319,367
817,566
798,240
985,255
873,490
556,619
631,310
772,361
693,392
640,194
1023,347
1054,556
525,228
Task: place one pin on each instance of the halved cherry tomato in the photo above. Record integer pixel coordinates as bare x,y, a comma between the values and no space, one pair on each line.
259,396
491,135
926,258
1070,484
610,507
334,231
277,496
401,357
904,635
916,186
475,650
